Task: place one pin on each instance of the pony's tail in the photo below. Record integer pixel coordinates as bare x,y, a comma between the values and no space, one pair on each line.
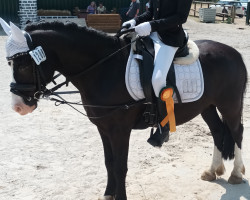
228,141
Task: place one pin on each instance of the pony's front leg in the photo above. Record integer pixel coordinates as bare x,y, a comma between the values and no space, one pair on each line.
239,168
116,155
109,163
120,146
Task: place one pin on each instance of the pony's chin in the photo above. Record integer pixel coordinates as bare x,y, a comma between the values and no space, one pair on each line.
23,109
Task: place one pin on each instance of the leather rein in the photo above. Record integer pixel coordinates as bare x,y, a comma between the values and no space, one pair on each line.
42,92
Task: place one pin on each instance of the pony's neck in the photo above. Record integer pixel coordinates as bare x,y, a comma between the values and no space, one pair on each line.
76,51
88,50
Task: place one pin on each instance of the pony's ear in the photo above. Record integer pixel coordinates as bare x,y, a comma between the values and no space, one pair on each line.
5,26
17,33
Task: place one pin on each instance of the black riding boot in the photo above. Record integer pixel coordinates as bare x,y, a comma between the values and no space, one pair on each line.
161,134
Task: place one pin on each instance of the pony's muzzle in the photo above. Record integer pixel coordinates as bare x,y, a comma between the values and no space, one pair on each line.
23,109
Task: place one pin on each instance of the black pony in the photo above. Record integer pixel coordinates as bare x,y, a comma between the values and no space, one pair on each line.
72,51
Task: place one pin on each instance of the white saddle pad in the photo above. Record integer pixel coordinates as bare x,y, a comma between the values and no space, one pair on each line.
189,80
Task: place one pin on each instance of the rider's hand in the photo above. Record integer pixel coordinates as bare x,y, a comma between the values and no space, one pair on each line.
143,29
131,22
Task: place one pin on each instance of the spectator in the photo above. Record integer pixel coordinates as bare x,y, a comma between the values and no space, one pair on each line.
147,6
76,11
101,9
91,9
114,11
133,9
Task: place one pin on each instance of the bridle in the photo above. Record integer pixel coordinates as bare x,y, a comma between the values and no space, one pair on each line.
38,87
41,91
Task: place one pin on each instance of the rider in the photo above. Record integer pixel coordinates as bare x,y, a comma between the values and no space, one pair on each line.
163,22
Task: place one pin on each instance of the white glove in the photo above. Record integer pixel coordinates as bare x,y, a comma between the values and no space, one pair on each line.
143,29
132,23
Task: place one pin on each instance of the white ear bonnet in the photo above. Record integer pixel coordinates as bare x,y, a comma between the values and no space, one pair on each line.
16,42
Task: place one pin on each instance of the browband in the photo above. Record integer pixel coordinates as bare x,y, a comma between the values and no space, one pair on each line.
17,55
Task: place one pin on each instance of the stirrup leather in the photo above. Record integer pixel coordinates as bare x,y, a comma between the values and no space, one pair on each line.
166,95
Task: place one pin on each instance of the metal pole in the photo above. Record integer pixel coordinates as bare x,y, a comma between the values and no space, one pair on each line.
233,9
248,13
194,9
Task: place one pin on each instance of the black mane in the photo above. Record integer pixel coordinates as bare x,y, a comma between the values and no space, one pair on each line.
69,26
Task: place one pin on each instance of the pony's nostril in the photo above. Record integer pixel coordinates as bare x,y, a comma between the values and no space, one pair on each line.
18,109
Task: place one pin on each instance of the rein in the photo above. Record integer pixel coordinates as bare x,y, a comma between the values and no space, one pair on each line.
116,108
44,93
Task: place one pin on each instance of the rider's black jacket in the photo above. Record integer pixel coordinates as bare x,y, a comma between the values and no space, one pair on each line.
166,17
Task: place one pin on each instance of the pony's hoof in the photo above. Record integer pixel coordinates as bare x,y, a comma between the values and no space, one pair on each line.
220,170
235,180
106,198
208,176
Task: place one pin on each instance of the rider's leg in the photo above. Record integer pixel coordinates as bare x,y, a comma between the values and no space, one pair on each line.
164,56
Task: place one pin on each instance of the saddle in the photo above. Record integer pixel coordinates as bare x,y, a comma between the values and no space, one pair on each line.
145,56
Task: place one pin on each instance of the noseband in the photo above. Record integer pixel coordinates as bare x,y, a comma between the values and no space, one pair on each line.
38,87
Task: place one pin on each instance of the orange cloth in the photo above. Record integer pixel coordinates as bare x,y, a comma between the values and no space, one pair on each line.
167,96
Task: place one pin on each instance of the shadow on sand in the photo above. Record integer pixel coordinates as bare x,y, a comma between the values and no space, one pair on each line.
234,192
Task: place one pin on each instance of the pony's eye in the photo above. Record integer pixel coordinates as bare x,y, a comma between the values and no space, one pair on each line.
9,63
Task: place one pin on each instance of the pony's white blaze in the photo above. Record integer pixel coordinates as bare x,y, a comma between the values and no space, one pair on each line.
16,43
17,102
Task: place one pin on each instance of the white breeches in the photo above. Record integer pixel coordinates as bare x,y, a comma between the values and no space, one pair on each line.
164,56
